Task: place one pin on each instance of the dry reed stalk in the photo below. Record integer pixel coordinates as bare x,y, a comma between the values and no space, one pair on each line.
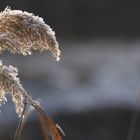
21,33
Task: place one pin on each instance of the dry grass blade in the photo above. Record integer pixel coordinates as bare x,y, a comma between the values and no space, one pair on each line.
47,122
46,136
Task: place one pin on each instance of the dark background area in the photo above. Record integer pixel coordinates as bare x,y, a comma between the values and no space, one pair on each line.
93,91
85,19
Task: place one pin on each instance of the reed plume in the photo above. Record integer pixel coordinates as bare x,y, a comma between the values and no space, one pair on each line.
10,83
22,33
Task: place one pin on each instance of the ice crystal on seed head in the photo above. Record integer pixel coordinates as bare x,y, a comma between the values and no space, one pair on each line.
10,83
22,32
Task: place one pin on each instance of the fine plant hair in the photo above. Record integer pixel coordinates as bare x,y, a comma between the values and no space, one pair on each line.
22,33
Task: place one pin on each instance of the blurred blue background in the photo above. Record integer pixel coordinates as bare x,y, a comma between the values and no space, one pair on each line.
94,90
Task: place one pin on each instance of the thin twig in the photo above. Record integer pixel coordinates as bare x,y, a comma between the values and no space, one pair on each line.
17,134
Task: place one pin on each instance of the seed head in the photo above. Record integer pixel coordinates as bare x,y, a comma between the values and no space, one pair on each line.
10,83
22,32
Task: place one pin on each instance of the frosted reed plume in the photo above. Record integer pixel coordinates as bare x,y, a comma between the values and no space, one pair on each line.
9,83
22,32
